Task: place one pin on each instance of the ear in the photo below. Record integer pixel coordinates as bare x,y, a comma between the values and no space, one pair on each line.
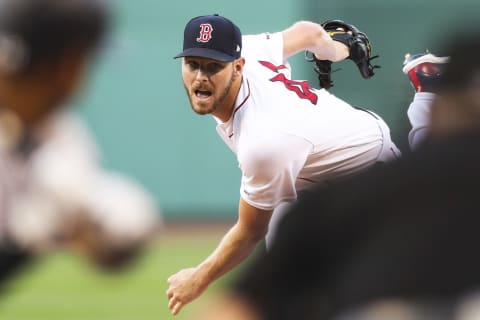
238,65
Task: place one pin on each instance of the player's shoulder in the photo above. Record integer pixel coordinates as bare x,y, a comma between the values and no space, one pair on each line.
263,46
260,37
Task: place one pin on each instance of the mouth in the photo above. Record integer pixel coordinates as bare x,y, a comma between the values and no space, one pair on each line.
203,94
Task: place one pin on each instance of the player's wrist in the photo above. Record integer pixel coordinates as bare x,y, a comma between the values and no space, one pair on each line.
341,50
204,275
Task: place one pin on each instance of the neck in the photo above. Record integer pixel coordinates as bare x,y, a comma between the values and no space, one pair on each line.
25,104
226,113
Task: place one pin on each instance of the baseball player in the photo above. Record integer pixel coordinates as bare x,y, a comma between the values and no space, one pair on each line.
424,71
412,260
53,192
287,136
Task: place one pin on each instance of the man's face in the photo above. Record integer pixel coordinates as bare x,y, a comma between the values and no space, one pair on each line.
208,84
50,84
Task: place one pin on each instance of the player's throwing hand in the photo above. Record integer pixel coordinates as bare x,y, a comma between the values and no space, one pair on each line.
184,286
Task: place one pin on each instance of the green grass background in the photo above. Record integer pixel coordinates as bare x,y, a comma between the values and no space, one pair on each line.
63,286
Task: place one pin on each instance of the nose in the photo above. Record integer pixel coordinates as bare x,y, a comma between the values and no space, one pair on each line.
201,75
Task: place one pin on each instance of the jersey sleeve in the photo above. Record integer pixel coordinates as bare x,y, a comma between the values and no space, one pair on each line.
270,167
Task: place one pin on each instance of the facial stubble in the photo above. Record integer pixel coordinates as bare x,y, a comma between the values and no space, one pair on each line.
218,103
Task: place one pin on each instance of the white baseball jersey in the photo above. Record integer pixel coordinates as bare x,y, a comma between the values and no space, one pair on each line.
288,136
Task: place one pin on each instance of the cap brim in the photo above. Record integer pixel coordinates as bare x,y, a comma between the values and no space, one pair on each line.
205,53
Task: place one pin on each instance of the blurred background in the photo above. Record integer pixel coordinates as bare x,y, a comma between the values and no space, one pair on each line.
137,109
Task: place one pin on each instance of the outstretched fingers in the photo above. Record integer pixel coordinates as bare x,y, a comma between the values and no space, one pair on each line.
174,304
175,309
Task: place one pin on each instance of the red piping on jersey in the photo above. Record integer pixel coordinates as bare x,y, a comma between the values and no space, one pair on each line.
273,67
244,100
241,104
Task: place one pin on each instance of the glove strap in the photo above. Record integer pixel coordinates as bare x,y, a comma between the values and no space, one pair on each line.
341,36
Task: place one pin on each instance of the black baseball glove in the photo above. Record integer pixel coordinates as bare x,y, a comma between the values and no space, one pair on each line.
359,47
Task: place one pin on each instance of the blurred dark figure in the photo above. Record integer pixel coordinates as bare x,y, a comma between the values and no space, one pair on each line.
397,242
53,192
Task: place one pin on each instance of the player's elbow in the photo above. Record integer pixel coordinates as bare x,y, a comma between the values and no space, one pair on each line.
253,231
311,32
258,234
315,39
303,35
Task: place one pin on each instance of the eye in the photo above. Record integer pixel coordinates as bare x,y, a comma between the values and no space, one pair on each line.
192,65
214,67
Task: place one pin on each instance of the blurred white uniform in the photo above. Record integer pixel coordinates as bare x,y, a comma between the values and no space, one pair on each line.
61,183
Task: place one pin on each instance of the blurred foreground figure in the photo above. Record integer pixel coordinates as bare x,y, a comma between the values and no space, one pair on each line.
399,242
72,202
53,192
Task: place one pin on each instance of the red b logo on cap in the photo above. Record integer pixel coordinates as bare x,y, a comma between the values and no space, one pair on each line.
205,32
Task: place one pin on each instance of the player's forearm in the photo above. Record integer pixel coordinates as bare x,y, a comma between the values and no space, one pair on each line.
336,51
235,247
306,35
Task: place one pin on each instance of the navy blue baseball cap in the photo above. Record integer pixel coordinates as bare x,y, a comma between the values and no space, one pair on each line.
213,37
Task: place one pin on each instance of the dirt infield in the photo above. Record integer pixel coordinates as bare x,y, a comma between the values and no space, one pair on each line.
196,229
